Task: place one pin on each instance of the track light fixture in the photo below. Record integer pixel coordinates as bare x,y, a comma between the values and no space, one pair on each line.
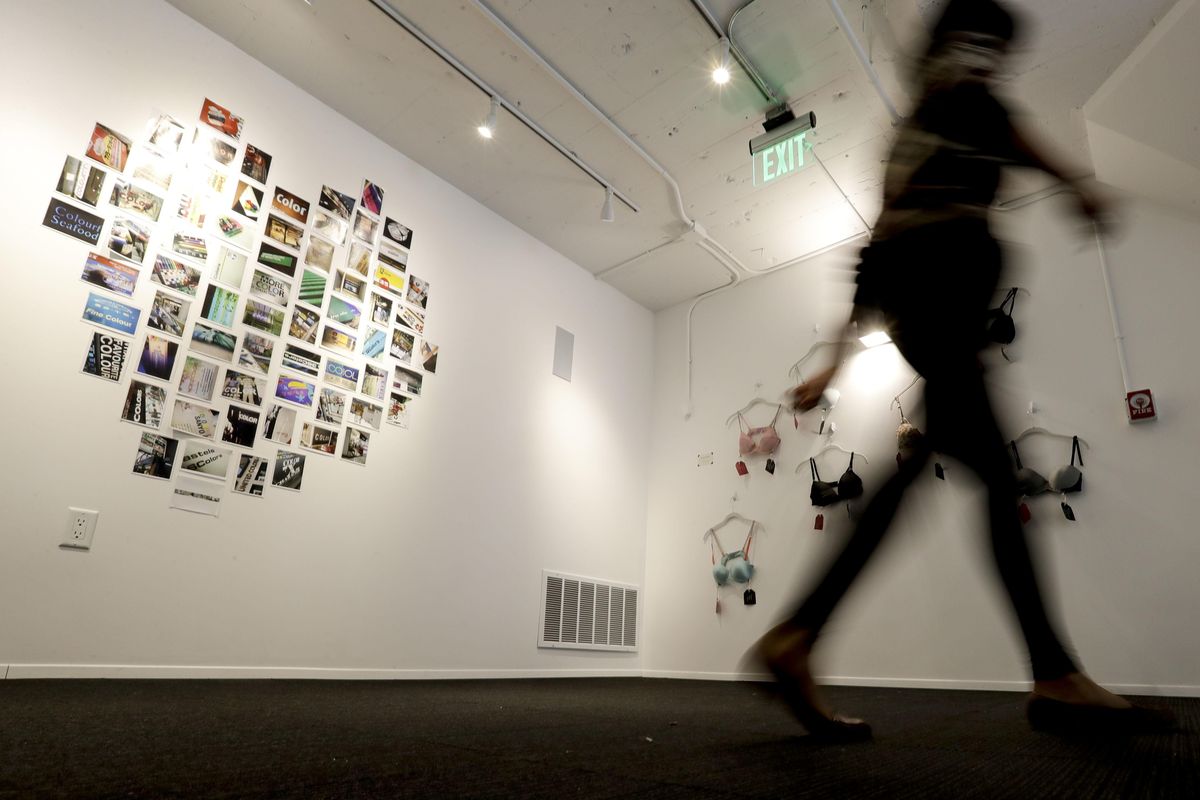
720,73
488,129
606,213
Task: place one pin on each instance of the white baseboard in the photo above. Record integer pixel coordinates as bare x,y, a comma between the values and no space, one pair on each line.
132,671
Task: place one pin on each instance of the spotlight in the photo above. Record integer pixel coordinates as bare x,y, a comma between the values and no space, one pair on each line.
875,339
606,213
488,128
721,74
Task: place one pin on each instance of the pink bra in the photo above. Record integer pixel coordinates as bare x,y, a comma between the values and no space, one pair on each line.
767,437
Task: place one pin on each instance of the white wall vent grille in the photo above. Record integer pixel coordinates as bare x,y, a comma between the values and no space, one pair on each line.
587,614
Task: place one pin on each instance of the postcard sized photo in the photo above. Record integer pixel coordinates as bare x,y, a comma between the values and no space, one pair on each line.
256,164
145,404
364,412
198,379
251,475
192,209
168,314
290,205
128,239
301,360
429,354
402,346
295,390
343,375
331,406
128,197
73,221
312,289
278,260
380,309
155,457
340,204
354,446
80,181
164,133
318,439
284,232
398,410
359,259
338,341
177,275
241,426
319,253
230,267
256,353
212,342
247,200
289,470
389,280
344,313
190,245
194,420
153,169
197,496
411,318
350,283
330,227
375,382
106,356
279,423
212,180
398,233
265,318
202,458
243,388
235,231
372,197
394,258
108,147
365,228
406,380
220,305
374,342
304,325
222,119
115,276
158,358
270,287
418,292
108,313
214,147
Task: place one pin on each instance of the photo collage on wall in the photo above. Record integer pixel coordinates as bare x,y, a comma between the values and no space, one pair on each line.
280,326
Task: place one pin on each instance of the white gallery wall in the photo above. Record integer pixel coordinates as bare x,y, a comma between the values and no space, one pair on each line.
425,562
928,611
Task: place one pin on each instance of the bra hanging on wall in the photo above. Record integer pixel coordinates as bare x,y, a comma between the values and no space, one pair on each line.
735,566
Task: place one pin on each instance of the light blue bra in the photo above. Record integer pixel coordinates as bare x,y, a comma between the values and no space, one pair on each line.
734,566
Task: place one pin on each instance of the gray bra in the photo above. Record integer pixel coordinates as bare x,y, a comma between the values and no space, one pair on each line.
1067,479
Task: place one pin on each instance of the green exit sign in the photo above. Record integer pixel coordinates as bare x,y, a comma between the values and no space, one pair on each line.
779,160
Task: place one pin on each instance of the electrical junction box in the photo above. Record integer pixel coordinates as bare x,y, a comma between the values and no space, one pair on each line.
1139,406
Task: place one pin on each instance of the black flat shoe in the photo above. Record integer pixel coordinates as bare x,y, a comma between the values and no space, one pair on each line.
1055,716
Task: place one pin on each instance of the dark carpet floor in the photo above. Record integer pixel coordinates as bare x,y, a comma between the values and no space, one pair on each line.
612,738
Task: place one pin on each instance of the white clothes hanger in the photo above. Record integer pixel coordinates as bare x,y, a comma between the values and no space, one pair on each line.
829,447
758,401
730,517
1039,431
795,368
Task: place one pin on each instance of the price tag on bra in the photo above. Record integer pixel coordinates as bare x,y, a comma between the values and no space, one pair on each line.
819,523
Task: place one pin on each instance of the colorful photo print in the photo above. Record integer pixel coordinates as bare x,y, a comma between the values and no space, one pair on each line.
214,343
74,222
294,390
112,275
108,147
128,239
256,353
365,228
235,231
406,380
265,318
168,313
290,205
230,267
193,209
319,253
243,388
190,245
202,458
279,423
289,470
158,358
212,146
396,259
165,134
145,404
247,200
350,283
155,457
278,260
212,180
220,305
175,275
398,410
256,164
402,346
106,356
364,412
330,227
128,197
304,325
198,379
398,233
241,426
344,313
389,280
251,475
429,353
411,318
354,446
312,289
359,259
318,439
380,308
375,382
372,197
195,420
284,232
339,341
152,169
270,287
340,204
342,375
418,292
221,118
374,342
331,406
109,313
81,181
301,360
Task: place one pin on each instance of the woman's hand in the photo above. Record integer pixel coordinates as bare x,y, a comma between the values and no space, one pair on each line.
806,396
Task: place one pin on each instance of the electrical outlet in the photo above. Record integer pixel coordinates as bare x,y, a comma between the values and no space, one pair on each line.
81,526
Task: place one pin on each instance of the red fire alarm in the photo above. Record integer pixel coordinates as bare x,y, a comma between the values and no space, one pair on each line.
1139,406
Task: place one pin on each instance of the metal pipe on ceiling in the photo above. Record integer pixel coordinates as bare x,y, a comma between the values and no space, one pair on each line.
751,70
863,59
487,89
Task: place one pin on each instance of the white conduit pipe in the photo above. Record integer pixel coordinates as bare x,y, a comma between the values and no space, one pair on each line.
1118,337
863,58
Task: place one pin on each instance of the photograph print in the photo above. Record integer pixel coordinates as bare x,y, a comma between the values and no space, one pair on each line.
312,289
218,117
398,233
365,228
344,313
406,380
411,318
212,146
220,305
106,356
256,164
108,313
114,276
278,260
229,267
247,200
155,457
372,197
177,275
418,292
194,420
350,283
234,230
290,205
128,239
256,353
128,197
168,313
375,382
279,422
190,245
380,309
429,353
396,259
164,134
389,279
284,232
304,325
152,169
333,200
374,342
212,342
270,287
330,227
158,358
192,209
331,406
145,404
364,412
340,374
338,341
295,390
198,379
80,181
402,346
318,439
359,259
202,458
354,446
265,318
241,426
398,410
301,360
243,388
319,253
289,470
108,147
251,475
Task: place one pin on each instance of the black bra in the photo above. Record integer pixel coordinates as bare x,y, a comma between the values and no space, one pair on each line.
826,493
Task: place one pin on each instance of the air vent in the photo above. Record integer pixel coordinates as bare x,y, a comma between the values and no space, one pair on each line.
587,614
